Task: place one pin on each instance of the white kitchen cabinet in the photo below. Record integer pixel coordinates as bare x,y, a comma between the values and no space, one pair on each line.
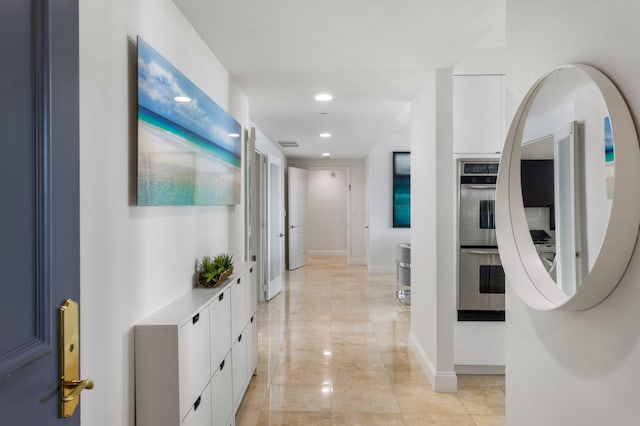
221,394
184,358
478,114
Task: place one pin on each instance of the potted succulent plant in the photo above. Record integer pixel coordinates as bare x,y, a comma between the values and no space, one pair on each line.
214,270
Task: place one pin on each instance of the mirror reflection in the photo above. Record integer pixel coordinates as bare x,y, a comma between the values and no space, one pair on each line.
567,175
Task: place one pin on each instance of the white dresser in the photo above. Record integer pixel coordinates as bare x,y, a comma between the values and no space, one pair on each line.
194,358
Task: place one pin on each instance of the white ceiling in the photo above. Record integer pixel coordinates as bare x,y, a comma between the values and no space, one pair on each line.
372,55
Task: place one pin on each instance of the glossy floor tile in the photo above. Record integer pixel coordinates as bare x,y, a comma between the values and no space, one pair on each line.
333,350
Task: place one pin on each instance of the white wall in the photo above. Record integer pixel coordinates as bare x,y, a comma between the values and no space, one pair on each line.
356,169
383,237
575,368
327,212
135,260
432,238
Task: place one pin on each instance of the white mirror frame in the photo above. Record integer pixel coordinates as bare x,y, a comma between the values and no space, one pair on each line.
523,269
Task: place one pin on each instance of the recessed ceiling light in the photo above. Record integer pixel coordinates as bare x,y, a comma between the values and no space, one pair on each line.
234,135
182,99
326,154
325,135
323,97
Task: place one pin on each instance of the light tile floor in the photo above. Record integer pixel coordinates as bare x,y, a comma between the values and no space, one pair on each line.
333,350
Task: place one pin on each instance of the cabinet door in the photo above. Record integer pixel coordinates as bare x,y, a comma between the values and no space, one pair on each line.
193,359
478,118
252,292
239,367
200,412
238,305
221,393
252,345
220,328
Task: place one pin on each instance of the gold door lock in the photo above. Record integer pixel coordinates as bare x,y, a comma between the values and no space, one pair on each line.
70,383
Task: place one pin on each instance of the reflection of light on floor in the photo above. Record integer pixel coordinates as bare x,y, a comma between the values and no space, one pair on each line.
371,363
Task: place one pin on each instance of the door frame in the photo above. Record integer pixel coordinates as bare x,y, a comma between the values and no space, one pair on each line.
258,221
347,170
277,161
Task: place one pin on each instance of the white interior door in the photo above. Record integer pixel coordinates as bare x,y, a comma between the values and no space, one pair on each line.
365,235
258,250
567,206
275,228
297,216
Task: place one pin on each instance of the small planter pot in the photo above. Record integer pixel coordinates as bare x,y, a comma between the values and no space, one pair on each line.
220,279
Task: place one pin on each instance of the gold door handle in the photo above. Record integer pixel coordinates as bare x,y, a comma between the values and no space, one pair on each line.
76,387
70,383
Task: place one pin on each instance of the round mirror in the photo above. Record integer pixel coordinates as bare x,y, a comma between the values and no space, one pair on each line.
567,213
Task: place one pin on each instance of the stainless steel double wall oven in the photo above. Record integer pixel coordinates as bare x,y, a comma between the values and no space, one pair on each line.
481,280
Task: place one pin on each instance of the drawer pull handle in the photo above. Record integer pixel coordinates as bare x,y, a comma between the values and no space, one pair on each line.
197,403
251,320
222,365
195,318
251,270
239,337
238,281
221,297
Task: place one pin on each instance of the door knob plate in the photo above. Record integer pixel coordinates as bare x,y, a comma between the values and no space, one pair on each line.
70,383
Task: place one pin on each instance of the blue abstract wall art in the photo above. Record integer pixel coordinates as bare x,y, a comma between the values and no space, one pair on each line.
189,149
609,155
401,190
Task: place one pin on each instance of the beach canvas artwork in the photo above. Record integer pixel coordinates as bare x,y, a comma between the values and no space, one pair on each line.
401,190
189,149
609,158
609,153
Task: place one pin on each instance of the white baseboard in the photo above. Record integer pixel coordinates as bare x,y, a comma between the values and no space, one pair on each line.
357,261
382,269
327,253
441,381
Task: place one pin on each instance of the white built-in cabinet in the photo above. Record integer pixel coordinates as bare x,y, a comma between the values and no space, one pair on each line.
478,114
194,358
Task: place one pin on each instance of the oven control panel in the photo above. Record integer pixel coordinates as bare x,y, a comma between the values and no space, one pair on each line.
484,168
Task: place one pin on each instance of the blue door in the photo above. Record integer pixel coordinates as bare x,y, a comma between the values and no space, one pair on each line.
39,207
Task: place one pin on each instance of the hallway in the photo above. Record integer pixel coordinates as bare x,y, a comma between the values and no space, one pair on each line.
333,350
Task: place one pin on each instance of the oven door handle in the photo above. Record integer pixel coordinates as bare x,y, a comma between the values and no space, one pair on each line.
482,251
478,186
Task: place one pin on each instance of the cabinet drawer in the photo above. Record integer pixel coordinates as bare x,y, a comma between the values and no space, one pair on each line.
200,411
221,393
239,364
252,292
220,328
252,345
193,359
239,316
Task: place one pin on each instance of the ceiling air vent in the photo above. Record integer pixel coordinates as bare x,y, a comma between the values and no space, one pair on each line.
288,144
